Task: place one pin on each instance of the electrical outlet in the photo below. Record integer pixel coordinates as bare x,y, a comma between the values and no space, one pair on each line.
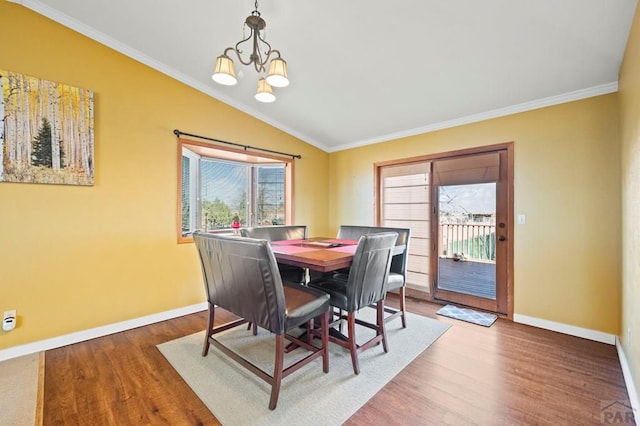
9,320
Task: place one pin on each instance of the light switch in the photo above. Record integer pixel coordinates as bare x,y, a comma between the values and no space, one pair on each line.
522,219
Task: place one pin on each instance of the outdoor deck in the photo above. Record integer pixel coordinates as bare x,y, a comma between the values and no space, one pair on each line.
468,276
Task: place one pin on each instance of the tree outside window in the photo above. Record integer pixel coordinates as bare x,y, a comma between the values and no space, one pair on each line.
216,187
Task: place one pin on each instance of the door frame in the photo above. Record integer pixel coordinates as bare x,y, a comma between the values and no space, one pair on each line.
504,284
509,243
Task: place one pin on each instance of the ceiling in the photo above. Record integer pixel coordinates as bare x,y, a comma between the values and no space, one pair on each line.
362,72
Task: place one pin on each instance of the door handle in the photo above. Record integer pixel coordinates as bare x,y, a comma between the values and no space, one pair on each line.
502,238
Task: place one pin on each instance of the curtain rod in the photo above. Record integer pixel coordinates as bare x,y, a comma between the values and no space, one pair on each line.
179,133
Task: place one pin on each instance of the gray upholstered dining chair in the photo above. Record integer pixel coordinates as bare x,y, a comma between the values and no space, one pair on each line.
241,276
288,273
397,273
366,284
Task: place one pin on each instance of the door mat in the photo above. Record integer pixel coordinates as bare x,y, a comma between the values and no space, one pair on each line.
468,315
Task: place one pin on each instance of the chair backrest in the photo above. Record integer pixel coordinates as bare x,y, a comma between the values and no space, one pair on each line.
276,233
241,276
369,270
399,262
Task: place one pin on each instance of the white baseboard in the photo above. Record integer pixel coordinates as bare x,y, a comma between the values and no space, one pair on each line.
80,336
628,380
571,330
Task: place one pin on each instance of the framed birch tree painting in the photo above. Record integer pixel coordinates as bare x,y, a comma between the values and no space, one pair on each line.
46,131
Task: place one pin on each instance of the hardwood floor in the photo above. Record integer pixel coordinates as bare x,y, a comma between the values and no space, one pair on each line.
507,374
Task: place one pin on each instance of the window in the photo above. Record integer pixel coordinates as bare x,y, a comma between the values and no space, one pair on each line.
216,184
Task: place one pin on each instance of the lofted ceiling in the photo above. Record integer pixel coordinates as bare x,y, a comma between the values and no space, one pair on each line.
362,72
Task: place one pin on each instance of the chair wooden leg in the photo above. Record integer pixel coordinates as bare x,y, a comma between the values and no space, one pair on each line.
310,325
205,347
353,347
380,324
277,371
401,293
325,342
254,326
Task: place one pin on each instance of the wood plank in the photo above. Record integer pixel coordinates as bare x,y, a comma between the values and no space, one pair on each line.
506,374
468,277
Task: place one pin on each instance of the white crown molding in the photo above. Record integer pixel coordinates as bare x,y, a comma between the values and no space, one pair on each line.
81,336
571,330
628,380
576,95
127,50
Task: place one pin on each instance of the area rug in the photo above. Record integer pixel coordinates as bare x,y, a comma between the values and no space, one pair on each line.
468,315
308,396
20,390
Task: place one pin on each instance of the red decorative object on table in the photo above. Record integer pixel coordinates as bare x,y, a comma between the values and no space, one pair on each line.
236,224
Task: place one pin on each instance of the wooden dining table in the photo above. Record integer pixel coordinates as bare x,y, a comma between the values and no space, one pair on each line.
318,254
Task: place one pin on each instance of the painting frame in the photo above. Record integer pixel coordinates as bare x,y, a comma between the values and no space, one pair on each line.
46,131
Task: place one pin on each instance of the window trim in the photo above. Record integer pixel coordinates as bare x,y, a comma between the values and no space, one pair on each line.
236,155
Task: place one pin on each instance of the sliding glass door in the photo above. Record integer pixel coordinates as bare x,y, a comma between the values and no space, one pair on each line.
459,208
404,203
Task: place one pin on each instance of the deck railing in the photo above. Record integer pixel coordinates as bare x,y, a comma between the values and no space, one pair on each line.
474,241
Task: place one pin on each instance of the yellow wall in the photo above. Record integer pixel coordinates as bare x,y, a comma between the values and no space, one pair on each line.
629,87
73,258
567,182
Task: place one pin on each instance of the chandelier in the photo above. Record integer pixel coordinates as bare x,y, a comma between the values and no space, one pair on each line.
276,77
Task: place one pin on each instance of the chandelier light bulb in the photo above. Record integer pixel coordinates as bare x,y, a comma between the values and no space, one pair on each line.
264,93
277,76
224,73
